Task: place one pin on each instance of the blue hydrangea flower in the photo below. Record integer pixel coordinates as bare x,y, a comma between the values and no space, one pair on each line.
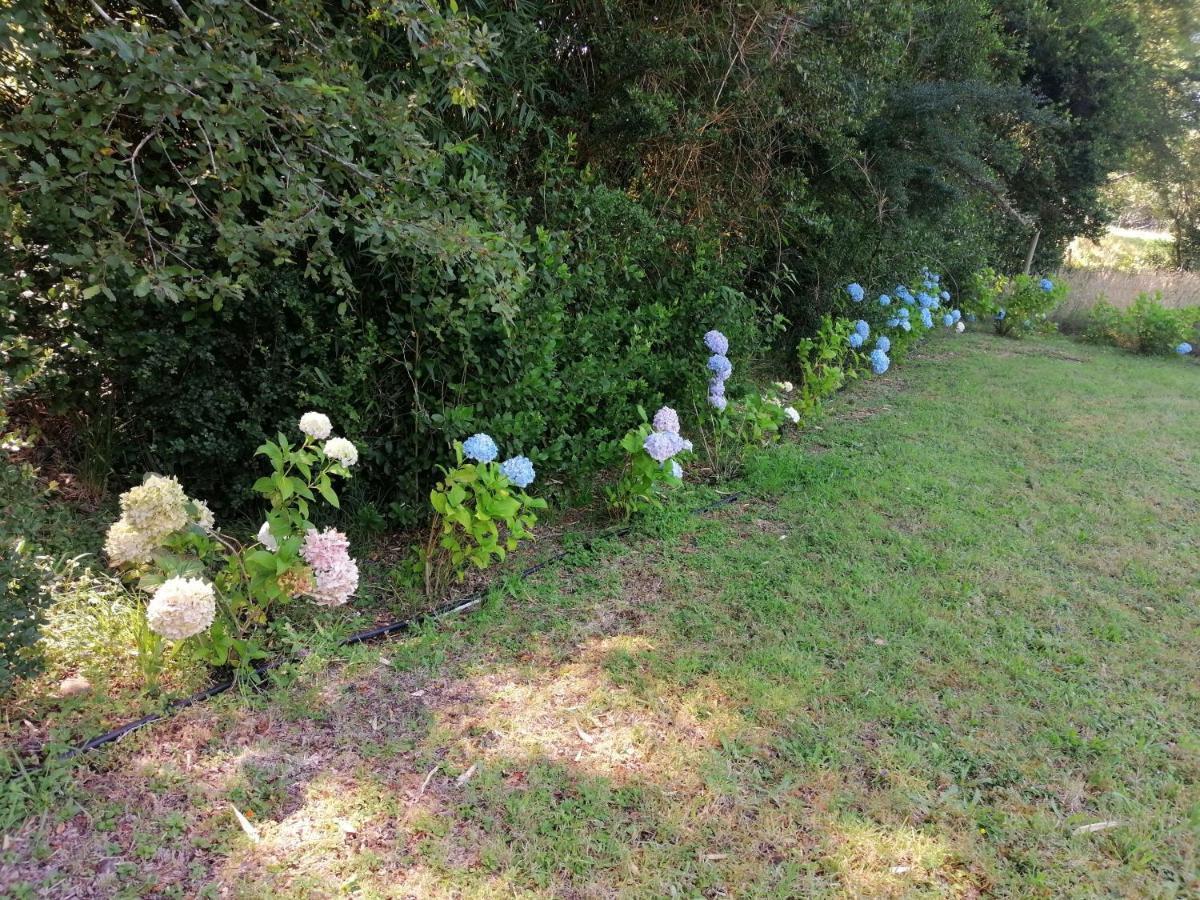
518,470
676,471
720,365
957,313
926,318
717,401
948,319
856,340
480,448
856,292
862,328
1000,315
893,322
904,323
1184,349
946,295
666,419
879,362
903,313
885,300
882,343
716,387
1047,285
716,342
971,317
924,300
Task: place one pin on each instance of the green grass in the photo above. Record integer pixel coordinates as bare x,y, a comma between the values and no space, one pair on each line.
933,638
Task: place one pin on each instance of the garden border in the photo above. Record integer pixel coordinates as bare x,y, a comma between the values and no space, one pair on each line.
460,605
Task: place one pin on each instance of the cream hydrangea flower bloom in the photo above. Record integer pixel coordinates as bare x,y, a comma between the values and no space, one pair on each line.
181,608
342,450
204,516
316,425
125,544
792,414
156,508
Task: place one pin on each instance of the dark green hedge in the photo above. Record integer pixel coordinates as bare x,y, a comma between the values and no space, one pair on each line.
427,219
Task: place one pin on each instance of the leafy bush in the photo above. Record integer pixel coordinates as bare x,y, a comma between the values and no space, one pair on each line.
1145,327
481,512
653,451
216,595
1017,304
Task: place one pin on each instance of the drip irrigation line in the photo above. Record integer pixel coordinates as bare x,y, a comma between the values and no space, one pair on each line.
454,607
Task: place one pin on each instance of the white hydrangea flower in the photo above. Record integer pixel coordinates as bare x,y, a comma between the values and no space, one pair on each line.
125,544
960,327
204,516
156,508
792,414
342,450
266,538
786,386
181,608
316,425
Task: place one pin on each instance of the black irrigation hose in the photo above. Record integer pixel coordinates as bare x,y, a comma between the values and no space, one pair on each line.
460,605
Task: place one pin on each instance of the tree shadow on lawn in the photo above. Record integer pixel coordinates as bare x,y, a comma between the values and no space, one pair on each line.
528,758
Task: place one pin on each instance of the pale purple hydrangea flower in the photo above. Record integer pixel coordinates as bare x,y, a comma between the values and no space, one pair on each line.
662,445
666,419
716,342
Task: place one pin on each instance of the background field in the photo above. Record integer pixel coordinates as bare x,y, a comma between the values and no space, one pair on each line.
933,639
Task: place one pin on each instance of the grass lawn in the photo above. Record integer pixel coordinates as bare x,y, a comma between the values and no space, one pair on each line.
934,638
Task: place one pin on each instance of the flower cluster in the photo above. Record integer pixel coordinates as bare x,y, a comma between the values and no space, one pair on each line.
181,608
150,513
481,448
879,361
900,305
318,427
1046,285
856,292
328,552
518,470
1184,349
664,441
720,366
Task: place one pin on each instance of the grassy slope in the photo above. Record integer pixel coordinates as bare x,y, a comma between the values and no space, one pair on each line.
939,634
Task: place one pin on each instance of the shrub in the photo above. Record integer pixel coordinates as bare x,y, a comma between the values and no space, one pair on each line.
481,512
824,362
653,451
220,596
1016,305
1145,327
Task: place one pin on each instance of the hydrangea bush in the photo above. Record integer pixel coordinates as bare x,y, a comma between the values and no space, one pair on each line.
1016,305
219,596
752,420
653,454
481,512
1145,327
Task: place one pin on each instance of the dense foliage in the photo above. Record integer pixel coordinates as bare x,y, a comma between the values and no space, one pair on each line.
1145,327
431,219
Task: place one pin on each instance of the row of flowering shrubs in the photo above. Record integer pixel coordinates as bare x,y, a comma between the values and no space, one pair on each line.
221,599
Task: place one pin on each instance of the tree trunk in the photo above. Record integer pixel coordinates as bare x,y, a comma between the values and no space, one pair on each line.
1037,233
